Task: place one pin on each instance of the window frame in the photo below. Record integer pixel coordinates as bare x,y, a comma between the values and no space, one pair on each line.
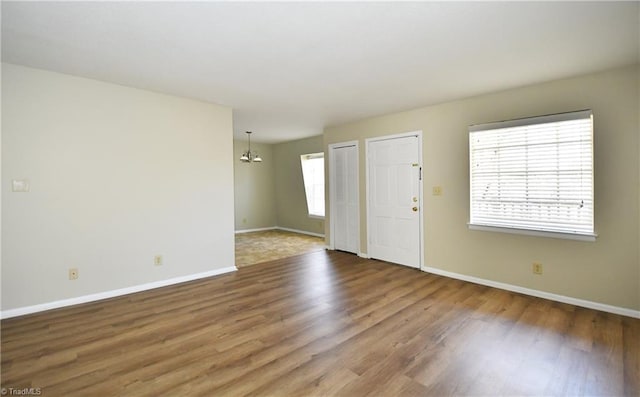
525,122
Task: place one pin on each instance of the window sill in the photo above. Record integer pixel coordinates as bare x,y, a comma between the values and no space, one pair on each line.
537,233
316,216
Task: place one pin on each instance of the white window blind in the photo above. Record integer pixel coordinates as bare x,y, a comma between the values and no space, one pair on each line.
313,175
533,174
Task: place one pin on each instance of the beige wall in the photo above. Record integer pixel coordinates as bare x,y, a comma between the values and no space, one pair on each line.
117,176
291,204
271,194
254,186
606,271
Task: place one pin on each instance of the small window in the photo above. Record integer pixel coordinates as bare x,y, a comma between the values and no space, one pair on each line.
313,174
533,175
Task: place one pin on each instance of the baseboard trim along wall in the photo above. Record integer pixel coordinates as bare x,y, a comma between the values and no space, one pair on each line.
286,229
540,294
21,311
260,229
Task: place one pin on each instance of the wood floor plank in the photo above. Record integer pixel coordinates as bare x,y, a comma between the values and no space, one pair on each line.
325,323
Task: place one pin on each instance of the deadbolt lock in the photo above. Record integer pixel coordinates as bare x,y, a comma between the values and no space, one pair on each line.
415,199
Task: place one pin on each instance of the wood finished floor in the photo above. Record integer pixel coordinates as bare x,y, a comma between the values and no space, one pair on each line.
326,323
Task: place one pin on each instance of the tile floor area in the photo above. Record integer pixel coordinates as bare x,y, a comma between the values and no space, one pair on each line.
268,245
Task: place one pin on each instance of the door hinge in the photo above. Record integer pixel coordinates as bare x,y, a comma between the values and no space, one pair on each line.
420,174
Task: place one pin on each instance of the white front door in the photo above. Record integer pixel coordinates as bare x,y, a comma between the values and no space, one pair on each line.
394,172
345,220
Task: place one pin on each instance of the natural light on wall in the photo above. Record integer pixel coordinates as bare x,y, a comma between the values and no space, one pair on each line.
533,176
313,174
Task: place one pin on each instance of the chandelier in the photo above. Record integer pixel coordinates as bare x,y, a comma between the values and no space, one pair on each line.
248,156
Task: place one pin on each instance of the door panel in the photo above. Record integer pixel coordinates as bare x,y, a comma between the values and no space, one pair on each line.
345,224
394,200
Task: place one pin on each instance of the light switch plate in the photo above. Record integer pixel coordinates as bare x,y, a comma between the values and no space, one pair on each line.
437,191
20,185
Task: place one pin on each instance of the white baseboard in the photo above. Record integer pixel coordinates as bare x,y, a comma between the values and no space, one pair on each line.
261,229
21,311
286,229
540,294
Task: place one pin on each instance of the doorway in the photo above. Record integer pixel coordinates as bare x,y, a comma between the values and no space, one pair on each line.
394,198
344,202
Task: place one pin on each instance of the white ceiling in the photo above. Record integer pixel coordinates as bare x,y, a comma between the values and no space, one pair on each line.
290,69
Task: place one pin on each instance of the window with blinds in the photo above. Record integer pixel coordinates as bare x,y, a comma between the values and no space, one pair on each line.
533,175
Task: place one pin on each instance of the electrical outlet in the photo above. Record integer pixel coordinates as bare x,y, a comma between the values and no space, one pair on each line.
537,268
157,260
437,190
20,185
73,273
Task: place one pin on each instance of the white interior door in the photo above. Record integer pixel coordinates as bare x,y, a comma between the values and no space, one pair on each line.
345,220
394,172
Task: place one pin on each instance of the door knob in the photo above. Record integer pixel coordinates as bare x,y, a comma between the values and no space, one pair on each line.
414,209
